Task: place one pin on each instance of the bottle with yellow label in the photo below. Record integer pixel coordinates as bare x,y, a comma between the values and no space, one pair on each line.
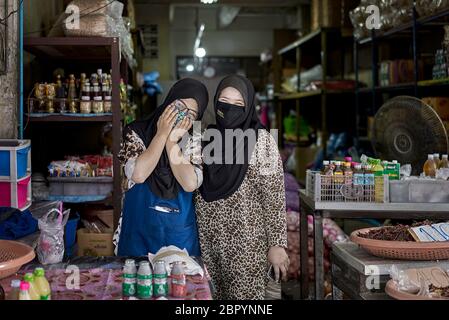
42,284
33,290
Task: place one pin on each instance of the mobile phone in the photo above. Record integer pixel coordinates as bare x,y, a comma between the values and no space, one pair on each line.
271,275
181,108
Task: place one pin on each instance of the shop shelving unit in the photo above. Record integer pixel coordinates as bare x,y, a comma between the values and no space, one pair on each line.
269,71
69,51
348,210
64,118
412,32
301,52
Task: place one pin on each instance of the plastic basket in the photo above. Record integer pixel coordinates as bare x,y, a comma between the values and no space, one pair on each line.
324,188
402,250
392,290
15,159
13,255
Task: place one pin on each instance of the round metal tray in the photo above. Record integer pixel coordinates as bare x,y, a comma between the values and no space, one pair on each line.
402,250
392,290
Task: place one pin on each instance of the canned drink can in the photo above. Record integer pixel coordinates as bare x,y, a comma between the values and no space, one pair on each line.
160,279
178,280
129,285
144,281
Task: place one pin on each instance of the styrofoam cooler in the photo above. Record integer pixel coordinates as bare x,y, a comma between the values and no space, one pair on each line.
419,191
16,194
15,159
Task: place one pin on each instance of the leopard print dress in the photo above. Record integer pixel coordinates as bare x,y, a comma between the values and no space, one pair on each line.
236,233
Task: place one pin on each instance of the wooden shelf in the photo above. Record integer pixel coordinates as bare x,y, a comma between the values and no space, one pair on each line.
433,18
407,27
392,32
300,42
321,47
432,83
313,41
299,95
400,86
71,118
408,86
307,94
70,48
65,51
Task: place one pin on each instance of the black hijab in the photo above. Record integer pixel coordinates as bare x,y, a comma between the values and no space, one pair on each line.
222,180
162,182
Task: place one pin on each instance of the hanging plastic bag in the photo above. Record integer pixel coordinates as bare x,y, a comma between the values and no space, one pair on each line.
50,247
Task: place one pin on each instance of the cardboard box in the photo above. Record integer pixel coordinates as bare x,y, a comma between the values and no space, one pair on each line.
289,72
304,157
370,127
107,217
95,244
398,71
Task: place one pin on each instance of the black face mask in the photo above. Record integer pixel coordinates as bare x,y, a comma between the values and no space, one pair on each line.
230,116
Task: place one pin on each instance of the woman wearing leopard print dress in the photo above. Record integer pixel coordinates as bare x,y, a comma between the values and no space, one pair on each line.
241,207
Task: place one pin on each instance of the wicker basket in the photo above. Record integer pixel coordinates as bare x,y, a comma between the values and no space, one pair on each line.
424,251
392,290
13,255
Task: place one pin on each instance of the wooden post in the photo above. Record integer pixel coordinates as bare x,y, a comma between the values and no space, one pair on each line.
116,129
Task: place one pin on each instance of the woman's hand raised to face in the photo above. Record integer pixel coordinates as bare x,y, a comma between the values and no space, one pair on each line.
180,130
166,121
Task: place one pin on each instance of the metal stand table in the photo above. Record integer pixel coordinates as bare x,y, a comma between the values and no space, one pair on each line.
358,275
350,210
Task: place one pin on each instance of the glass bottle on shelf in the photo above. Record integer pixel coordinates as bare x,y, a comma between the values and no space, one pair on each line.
60,95
430,167
72,95
348,173
104,78
97,98
39,93
50,93
100,75
436,159
338,173
444,164
93,78
85,103
82,82
107,98
123,96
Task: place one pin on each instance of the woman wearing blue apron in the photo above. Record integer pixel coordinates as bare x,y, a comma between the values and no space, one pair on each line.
158,208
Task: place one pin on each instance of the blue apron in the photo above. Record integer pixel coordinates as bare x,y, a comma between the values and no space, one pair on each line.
149,223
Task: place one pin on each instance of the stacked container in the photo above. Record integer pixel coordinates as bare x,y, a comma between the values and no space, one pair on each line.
15,173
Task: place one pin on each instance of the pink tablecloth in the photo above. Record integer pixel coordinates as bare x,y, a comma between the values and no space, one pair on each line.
104,284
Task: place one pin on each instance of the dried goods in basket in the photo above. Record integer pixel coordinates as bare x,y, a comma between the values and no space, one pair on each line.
402,250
